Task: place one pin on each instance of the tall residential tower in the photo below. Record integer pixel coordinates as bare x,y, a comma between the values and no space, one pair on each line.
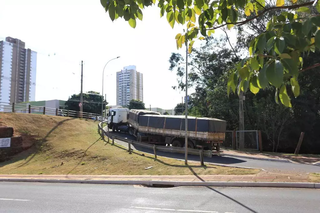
18,72
129,85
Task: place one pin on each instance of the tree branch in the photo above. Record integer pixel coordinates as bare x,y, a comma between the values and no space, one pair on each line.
259,4
311,67
233,50
263,12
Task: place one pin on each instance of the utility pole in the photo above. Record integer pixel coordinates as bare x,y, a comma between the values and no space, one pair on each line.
186,107
241,120
105,109
81,94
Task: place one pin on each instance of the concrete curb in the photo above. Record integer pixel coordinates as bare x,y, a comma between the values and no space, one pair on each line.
254,158
172,183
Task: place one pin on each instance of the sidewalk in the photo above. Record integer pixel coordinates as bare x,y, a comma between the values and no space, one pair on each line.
281,157
263,179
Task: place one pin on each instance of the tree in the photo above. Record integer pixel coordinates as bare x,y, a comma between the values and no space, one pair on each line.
91,102
136,104
274,56
179,109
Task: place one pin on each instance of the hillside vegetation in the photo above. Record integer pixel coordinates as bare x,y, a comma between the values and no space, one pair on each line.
72,146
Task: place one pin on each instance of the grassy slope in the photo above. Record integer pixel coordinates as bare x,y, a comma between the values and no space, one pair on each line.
73,146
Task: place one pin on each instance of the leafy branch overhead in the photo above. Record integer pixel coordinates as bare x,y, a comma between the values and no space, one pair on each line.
274,56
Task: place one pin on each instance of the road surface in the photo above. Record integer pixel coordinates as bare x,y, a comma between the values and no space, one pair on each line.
46,197
273,166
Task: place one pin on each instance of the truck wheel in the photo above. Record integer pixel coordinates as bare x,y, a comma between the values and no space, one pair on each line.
113,128
190,145
176,143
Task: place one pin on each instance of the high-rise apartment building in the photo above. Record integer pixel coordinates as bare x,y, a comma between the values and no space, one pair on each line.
129,85
18,67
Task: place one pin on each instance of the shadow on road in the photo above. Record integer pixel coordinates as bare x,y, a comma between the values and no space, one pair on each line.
214,159
220,193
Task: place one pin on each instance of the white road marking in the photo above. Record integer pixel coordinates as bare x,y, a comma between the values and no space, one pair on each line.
176,210
12,199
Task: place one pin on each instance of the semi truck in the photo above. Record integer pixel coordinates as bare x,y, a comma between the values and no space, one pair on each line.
152,127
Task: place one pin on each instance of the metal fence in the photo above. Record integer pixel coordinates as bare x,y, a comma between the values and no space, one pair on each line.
252,139
155,148
27,108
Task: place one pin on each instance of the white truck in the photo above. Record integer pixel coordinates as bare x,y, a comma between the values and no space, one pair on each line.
118,118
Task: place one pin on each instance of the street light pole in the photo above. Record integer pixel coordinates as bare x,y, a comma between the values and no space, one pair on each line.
103,84
186,107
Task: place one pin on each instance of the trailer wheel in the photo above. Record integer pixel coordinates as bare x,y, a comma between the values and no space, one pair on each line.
190,145
176,143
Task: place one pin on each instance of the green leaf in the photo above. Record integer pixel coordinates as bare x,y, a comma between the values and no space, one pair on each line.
275,73
244,72
139,14
285,55
280,3
253,85
316,21
261,42
252,42
318,6
244,85
290,39
248,9
317,39
270,43
190,46
284,98
254,64
210,32
162,11
303,9
104,3
112,11
170,18
295,87
132,23
197,10
180,4
190,24
280,45
306,26
231,83
262,78
290,65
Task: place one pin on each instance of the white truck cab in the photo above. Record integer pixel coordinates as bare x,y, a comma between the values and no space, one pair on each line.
117,117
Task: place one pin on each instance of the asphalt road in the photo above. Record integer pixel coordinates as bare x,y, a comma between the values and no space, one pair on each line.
43,197
233,161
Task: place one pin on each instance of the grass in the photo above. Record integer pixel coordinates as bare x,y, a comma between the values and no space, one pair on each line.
315,177
73,146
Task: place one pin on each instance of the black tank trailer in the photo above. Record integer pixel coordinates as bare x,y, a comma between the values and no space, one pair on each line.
151,127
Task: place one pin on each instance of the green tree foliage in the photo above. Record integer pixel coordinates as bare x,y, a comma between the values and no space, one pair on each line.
136,104
280,125
179,109
91,102
274,55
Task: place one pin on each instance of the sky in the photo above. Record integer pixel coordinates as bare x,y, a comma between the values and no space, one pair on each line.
65,32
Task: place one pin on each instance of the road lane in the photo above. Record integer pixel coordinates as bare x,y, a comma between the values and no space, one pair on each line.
45,197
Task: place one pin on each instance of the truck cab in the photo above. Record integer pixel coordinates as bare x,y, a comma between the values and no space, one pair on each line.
117,118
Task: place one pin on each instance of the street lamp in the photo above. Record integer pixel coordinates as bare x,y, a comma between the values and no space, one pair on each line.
103,84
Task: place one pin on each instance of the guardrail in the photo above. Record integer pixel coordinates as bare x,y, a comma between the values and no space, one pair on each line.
27,108
155,148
